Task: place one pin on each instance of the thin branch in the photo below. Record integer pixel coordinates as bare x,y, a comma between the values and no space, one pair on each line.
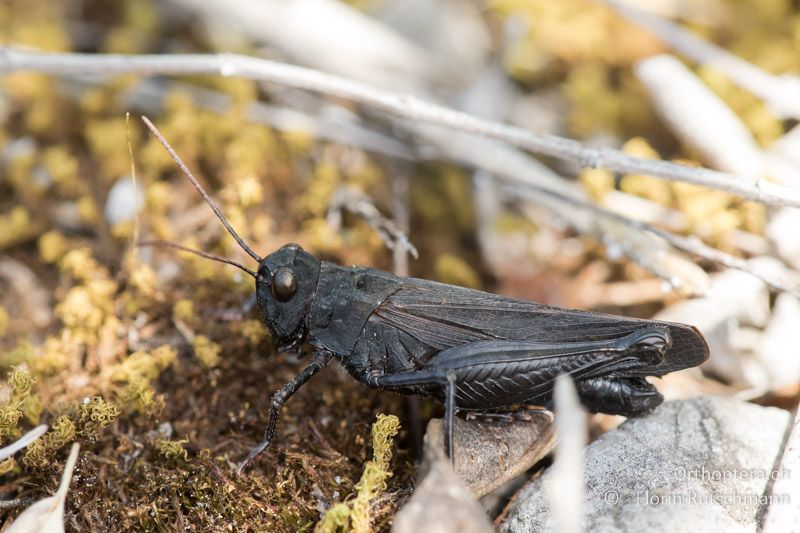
358,203
404,106
691,245
516,168
330,123
409,107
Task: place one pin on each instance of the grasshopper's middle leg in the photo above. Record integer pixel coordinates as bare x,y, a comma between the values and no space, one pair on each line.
447,379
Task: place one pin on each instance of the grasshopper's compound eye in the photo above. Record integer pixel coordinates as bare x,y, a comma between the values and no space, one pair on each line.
284,284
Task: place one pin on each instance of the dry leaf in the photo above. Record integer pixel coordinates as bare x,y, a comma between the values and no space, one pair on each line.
47,515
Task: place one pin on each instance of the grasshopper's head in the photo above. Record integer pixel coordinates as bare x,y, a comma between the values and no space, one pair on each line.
285,285
285,281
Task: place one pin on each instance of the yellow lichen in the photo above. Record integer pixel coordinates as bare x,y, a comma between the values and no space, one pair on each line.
21,383
648,187
145,365
16,226
318,193
32,408
183,311
336,519
107,140
36,455
7,466
63,166
87,210
252,330
321,236
172,449
23,352
52,246
135,374
597,181
9,418
94,414
158,198
373,481
141,398
80,313
206,351
56,353
61,433
80,264
142,278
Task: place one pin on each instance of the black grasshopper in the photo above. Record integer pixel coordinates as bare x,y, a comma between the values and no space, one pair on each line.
471,349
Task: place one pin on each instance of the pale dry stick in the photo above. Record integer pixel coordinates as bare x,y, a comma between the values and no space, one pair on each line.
698,117
779,92
133,180
23,442
565,489
400,188
691,245
403,106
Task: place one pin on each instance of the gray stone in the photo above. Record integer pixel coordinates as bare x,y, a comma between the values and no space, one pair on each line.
703,463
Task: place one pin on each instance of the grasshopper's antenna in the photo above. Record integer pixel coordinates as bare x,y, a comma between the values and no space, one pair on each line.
206,197
166,244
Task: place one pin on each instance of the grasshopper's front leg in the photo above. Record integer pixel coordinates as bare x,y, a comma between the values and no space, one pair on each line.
321,359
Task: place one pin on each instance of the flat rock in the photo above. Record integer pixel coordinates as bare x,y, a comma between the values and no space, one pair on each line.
493,450
703,463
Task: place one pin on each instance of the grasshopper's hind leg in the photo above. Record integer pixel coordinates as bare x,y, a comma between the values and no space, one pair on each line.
619,396
450,414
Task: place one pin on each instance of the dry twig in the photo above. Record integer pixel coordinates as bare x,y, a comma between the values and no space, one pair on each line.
404,106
